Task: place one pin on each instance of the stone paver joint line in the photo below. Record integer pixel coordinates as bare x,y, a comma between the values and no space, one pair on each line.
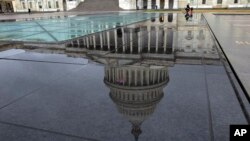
48,131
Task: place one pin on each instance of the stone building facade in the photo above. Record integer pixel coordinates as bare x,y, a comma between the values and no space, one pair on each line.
65,5
136,90
45,5
7,6
175,4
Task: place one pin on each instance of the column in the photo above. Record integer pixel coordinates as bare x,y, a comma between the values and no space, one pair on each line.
161,75
141,73
104,38
84,42
109,74
148,77
170,38
149,4
175,4
156,39
94,41
166,4
158,76
124,76
166,74
165,40
113,74
78,42
173,40
225,3
108,40
139,41
117,77
140,4
87,40
131,40
123,41
101,41
129,77
90,40
158,4
154,76
135,71
149,37
115,34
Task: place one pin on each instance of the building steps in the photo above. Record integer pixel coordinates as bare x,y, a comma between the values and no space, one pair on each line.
97,5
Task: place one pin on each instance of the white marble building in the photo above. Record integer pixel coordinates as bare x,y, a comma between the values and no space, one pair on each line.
7,6
136,90
45,5
65,5
176,4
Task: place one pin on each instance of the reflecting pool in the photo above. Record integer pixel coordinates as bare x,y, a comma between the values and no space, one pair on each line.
62,28
159,79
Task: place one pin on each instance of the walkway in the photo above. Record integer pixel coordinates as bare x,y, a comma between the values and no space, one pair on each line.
233,34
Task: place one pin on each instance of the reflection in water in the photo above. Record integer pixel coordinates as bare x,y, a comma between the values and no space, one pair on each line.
153,15
170,39
136,90
161,18
137,57
170,17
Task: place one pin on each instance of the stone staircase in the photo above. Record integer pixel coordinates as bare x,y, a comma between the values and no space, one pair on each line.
97,5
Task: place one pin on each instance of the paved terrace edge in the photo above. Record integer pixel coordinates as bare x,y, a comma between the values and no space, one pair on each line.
242,88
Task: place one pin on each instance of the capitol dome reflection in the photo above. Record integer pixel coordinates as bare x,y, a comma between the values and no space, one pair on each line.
136,90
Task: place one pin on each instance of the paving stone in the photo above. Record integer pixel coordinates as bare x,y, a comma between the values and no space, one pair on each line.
21,77
19,133
42,57
225,108
79,104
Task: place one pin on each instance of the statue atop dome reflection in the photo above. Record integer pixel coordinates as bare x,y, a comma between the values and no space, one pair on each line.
136,90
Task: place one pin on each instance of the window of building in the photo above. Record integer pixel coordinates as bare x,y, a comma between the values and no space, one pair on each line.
203,1
235,1
40,5
57,4
219,2
24,7
30,4
49,4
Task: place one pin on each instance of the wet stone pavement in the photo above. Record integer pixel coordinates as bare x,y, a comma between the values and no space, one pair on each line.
55,95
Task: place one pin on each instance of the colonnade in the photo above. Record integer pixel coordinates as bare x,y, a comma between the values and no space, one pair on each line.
134,76
128,40
157,4
6,6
